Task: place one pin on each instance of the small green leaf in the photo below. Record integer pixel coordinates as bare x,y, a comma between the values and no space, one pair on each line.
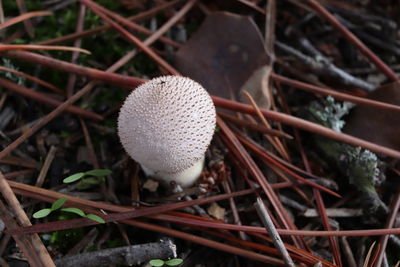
156,263
95,218
74,210
41,213
58,203
74,177
89,182
174,262
99,172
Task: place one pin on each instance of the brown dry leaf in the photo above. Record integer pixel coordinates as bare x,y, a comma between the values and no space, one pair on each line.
151,185
257,87
223,53
216,211
378,126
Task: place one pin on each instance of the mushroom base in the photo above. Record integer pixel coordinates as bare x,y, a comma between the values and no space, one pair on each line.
185,178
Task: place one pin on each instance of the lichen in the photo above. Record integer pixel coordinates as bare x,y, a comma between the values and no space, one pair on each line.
15,78
361,167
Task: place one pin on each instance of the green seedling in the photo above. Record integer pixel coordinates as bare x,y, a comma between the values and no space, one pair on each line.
158,262
58,204
78,176
55,206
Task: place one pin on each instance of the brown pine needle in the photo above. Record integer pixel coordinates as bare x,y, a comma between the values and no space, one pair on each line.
8,47
33,79
24,17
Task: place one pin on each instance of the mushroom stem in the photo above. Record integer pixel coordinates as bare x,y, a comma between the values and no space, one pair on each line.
185,178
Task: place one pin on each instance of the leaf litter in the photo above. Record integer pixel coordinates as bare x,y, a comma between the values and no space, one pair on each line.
227,54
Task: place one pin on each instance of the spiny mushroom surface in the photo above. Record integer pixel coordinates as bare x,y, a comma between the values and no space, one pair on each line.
166,125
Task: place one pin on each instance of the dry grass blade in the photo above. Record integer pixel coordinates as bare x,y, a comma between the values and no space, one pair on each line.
24,17
367,258
276,143
8,47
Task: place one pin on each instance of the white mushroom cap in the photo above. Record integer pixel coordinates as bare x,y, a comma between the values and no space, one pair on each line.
166,125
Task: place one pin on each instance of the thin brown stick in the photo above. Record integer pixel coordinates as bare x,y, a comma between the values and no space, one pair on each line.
49,196
10,160
72,68
138,17
191,238
389,224
132,82
131,37
89,144
259,151
273,234
307,126
253,126
133,25
275,142
46,99
27,23
252,5
338,95
353,39
46,165
57,111
75,55
21,217
33,79
223,103
11,175
237,148
24,243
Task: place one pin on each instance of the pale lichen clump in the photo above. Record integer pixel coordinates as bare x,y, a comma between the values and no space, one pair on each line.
361,167
166,125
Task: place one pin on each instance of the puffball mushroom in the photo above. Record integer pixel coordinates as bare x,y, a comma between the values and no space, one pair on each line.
166,125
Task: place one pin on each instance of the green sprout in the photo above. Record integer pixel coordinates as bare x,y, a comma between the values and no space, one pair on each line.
78,176
58,204
158,262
